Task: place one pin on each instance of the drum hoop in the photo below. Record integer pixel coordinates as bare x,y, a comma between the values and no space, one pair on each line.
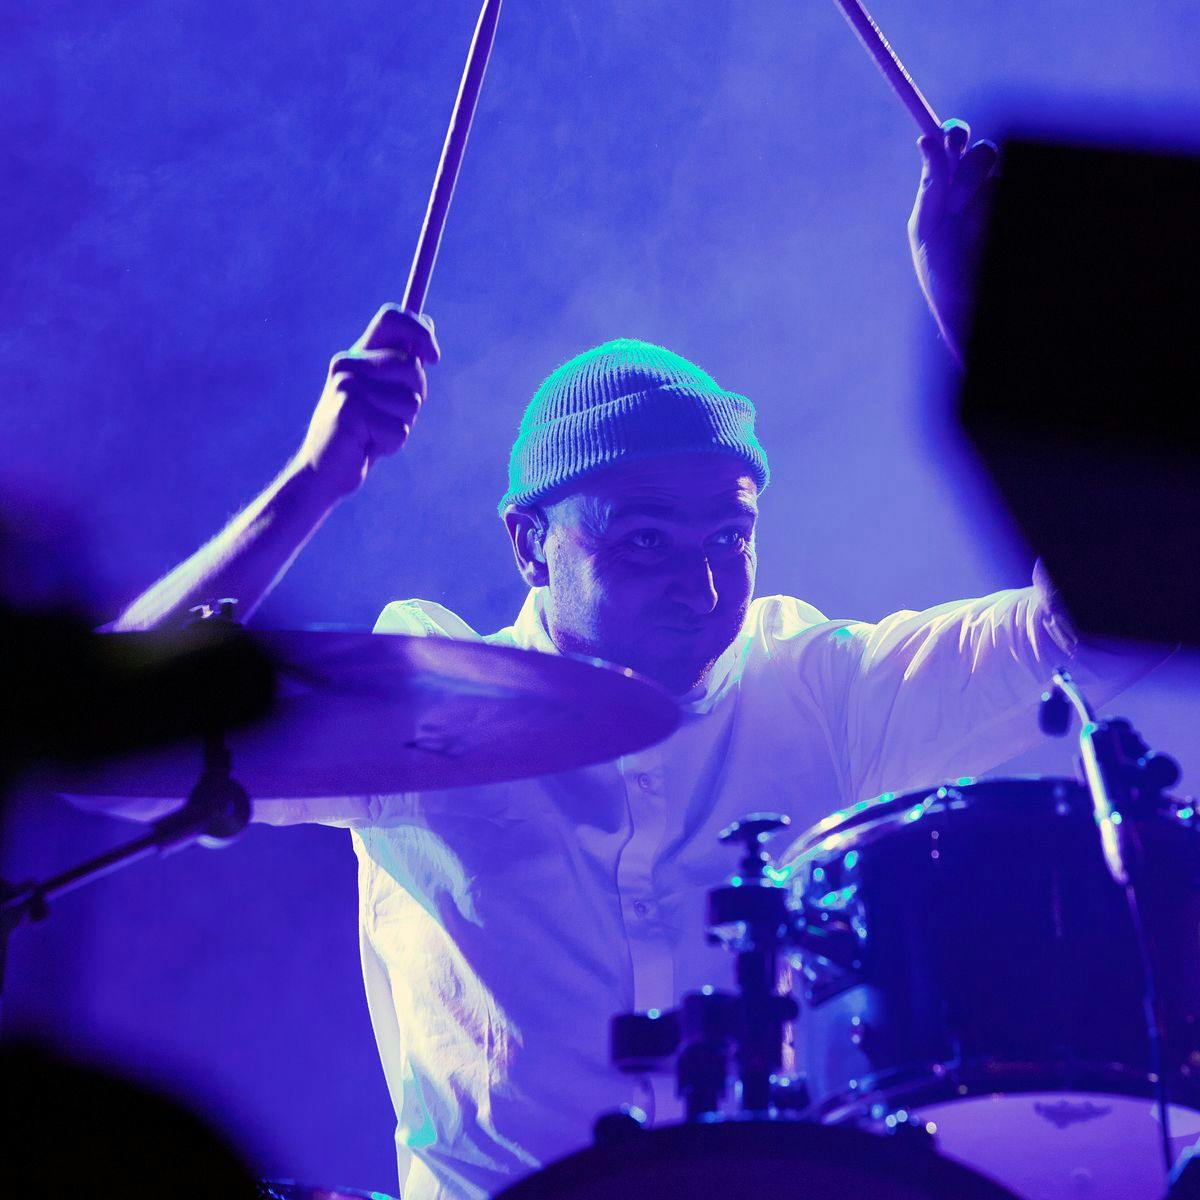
943,1083
868,819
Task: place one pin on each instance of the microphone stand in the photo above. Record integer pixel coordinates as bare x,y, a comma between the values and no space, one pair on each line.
1116,762
1100,749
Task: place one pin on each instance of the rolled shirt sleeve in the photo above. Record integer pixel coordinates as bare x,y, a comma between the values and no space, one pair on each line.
909,701
954,690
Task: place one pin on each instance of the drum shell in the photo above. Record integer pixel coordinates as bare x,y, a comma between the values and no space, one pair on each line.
998,953
791,1160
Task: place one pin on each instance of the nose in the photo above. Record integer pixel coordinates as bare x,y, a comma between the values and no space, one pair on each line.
692,584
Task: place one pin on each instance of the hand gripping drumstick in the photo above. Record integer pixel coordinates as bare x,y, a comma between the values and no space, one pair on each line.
452,154
880,49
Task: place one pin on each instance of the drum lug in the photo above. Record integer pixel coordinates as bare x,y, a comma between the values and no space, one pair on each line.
623,1125
828,941
911,1129
790,1094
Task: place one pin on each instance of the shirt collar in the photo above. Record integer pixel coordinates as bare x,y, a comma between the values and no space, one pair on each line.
530,632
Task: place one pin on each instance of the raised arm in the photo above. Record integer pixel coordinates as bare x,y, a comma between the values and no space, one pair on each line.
946,227
372,395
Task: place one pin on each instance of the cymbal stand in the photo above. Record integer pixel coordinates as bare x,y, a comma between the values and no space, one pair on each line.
216,811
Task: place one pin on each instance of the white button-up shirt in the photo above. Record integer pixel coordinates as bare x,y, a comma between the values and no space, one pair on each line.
502,926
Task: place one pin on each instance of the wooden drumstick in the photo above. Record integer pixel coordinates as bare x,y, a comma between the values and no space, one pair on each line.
880,49
452,154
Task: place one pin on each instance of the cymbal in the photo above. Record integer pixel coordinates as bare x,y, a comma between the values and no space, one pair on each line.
289,1189
377,713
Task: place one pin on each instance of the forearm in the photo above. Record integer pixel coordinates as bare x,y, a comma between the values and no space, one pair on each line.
371,398
246,559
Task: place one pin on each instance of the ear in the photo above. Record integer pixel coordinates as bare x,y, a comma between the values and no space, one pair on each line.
527,531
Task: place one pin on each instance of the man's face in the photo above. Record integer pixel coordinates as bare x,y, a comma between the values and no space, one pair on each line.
651,564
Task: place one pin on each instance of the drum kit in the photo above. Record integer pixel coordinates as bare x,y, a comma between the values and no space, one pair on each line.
996,983
972,984
996,974
997,998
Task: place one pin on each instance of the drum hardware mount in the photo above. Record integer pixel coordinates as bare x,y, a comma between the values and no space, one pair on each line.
215,812
750,916
714,1033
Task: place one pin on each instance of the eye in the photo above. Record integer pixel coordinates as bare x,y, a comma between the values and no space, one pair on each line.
733,537
646,539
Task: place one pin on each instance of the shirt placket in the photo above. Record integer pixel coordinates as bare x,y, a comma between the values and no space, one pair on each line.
650,950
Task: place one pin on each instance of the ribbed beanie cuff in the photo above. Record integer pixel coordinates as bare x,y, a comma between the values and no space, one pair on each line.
621,402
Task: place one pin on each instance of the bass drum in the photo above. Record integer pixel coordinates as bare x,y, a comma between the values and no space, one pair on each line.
982,976
787,1160
289,1189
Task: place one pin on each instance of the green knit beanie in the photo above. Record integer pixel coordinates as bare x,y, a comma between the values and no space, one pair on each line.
620,402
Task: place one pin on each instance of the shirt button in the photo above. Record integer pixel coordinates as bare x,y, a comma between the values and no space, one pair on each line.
640,908
644,782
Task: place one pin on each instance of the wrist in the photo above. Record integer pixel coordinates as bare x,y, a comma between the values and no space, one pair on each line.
951,314
312,489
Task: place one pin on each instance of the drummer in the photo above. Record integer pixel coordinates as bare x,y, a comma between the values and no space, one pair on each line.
501,926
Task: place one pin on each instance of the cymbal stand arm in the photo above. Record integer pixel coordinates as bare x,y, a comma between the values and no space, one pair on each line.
210,816
216,811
